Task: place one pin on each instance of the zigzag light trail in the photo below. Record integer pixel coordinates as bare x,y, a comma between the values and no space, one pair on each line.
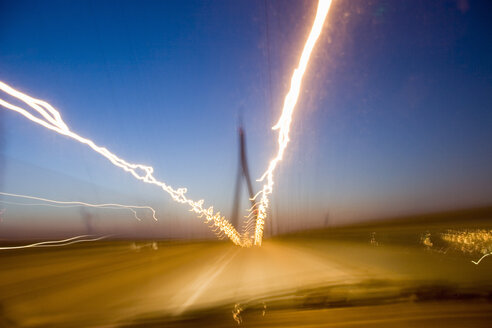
63,204
53,121
283,124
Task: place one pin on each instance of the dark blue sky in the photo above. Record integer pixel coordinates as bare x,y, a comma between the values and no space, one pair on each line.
394,116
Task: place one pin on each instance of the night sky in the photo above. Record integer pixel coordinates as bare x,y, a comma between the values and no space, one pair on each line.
394,117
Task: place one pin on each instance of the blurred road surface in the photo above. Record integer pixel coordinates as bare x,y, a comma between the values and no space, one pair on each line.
120,283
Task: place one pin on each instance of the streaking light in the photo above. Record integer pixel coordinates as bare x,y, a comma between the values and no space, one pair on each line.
51,119
47,116
480,260
470,241
283,124
76,203
56,243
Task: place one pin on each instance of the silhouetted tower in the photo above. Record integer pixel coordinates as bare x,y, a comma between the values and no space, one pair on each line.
242,173
88,221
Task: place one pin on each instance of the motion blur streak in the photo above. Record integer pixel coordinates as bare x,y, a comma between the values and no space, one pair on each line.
56,243
51,119
283,124
480,260
67,206
75,203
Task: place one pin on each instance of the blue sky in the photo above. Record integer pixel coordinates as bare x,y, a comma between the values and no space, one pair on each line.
394,115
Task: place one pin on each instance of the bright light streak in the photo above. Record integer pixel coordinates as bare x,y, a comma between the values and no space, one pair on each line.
76,203
480,260
283,124
56,243
51,119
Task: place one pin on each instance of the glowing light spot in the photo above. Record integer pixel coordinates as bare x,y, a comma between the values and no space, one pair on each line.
425,239
470,241
236,313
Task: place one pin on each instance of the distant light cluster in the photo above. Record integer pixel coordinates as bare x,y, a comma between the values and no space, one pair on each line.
470,241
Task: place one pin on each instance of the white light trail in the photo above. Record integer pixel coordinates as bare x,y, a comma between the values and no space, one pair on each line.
51,119
480,260
64,204
283,124
48,117
56,243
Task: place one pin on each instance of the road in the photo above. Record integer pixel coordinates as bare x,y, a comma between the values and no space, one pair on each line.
123,283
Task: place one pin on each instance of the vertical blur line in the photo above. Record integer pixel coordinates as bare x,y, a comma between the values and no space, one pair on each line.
2,143
270,94
5,13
